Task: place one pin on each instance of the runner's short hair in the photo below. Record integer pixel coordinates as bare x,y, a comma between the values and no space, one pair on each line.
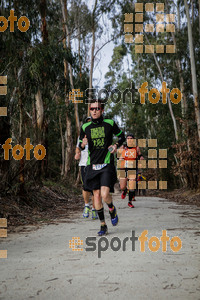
130,134
101,101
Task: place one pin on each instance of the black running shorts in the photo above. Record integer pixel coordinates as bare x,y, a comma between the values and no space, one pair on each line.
107,176
83,172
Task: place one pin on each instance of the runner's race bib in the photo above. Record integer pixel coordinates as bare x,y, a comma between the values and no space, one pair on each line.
98,166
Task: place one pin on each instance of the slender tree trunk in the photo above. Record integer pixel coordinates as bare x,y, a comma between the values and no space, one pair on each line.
43,8
39,110
68,132
62,146
79,52
42,124
92,49
178,15
21,162
182,86
193,70
64,14
19,75
148,127
192,5
61,131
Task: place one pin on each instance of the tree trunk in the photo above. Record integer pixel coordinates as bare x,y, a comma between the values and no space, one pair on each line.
79,50
68,140
42,124
64,14
39,110
63,147
193,70
43,8
178,15
92,50
192,5
21,162
68,132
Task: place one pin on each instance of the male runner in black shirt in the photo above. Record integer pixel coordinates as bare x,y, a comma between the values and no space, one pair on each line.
100,172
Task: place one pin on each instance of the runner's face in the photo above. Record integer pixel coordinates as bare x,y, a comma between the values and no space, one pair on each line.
130,141
95,114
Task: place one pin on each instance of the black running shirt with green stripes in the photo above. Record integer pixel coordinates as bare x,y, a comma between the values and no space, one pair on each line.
100,137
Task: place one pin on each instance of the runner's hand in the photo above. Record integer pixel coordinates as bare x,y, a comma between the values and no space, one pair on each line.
77,156
85,141
114,148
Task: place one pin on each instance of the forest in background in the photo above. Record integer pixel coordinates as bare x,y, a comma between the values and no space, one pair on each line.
43,65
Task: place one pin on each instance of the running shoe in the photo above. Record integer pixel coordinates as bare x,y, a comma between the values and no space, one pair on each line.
94,214
114,216
123,195
133,199
130,205
86,212
103,230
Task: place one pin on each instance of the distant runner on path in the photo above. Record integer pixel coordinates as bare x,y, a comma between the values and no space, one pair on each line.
83,156
132,155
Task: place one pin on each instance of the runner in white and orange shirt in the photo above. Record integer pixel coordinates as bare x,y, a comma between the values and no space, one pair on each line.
129,154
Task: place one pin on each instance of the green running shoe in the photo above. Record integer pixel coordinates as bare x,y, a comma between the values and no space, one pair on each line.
86,212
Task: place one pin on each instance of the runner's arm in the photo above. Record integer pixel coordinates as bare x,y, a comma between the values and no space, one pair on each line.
82,135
